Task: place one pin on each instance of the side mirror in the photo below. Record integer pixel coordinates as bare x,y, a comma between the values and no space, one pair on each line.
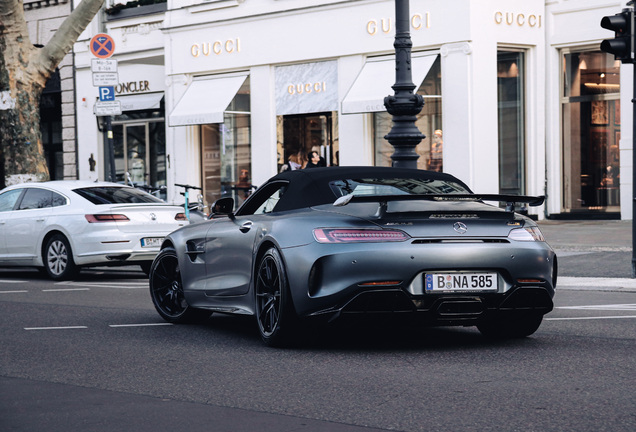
223,206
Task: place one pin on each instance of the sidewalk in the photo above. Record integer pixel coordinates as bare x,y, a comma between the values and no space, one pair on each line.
593,254
588,235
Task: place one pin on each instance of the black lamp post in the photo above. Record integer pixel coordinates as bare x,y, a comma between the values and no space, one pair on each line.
404,105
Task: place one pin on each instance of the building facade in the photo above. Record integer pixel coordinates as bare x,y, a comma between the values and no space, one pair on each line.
224,94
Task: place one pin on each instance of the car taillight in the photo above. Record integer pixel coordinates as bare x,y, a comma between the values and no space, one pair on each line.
345,235
526,234
180,217
94,218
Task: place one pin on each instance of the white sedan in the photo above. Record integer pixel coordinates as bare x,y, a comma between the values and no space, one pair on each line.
64,225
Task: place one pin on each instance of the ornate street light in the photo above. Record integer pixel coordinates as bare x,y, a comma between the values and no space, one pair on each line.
404,105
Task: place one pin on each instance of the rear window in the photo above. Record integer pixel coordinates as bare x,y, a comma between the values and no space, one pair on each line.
395,186
116,195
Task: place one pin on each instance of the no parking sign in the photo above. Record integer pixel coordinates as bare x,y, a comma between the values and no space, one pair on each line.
102,45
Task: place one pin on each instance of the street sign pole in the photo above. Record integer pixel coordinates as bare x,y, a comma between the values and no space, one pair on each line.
105,76
623,46
111,148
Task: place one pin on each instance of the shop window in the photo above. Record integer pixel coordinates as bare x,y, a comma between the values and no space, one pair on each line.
302,135
429,122
511,122
139,144
591,132
226,152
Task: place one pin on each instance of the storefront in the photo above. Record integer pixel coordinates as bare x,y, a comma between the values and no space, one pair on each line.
252,89
518,97
589,160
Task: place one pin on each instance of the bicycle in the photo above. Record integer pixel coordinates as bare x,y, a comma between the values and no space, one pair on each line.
197,208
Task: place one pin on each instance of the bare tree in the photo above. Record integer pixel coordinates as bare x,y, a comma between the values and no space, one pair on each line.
24,70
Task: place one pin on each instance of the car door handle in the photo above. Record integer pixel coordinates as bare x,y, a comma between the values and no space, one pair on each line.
246,227
40,220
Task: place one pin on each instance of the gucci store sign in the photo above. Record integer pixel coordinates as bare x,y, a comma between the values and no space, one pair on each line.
307,88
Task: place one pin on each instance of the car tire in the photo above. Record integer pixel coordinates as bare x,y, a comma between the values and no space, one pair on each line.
277,321
58,258
166,290
511,327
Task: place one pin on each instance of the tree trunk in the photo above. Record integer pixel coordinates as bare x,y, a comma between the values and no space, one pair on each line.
24,70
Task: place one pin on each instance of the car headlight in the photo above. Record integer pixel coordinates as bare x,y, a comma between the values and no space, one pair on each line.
532,233
346,235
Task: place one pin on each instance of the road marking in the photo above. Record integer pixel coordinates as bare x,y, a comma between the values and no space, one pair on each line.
13,292
591,318
612,307
10,281
124,285
140,325
56,328
66,289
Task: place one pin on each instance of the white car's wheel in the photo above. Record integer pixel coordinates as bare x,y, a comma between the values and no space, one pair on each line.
58,258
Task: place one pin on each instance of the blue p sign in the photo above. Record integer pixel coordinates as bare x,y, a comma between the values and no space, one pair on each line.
107,93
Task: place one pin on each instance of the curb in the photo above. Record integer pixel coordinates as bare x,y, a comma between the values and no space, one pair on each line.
596,284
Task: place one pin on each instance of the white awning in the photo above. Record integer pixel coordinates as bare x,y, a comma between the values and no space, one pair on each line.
142,101
374,83
205,101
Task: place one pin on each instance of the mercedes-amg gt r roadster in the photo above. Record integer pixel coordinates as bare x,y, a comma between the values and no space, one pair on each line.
323,243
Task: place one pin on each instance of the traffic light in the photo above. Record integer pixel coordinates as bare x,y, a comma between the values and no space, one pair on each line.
622,46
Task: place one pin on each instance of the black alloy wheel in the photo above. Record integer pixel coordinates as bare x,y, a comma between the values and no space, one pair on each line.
166,290
58,258
274,309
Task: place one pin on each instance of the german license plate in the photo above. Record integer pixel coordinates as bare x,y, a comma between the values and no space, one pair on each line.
151,241
441,282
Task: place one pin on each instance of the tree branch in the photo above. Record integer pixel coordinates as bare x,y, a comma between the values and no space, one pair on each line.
64,38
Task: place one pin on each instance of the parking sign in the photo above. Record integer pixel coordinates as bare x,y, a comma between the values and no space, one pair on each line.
107,93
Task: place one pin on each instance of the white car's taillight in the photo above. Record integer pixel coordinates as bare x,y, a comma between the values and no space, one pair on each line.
95,218
526,234
346,235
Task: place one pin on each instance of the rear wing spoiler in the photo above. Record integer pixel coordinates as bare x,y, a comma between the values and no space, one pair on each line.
510,200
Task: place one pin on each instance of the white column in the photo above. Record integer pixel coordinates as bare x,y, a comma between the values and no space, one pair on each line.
626,143
469,89
263,124
355,131
183,147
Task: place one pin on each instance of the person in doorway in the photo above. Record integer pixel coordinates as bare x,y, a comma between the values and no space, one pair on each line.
315,160
295,161
437,148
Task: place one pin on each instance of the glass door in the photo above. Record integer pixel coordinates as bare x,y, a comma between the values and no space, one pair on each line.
591,132
130,144
511,122
301,135
140,154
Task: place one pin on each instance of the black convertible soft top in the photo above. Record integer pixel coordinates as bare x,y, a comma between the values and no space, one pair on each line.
311,187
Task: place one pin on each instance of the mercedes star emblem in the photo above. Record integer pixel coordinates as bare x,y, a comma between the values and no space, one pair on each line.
460,227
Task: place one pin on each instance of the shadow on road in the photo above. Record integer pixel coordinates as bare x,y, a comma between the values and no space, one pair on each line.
378,336
85,274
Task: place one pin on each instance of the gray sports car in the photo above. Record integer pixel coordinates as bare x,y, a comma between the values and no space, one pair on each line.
328,242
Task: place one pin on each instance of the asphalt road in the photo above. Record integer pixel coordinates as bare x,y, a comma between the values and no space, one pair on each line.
93,355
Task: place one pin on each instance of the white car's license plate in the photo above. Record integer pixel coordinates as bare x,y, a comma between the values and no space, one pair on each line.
441,282
151,241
